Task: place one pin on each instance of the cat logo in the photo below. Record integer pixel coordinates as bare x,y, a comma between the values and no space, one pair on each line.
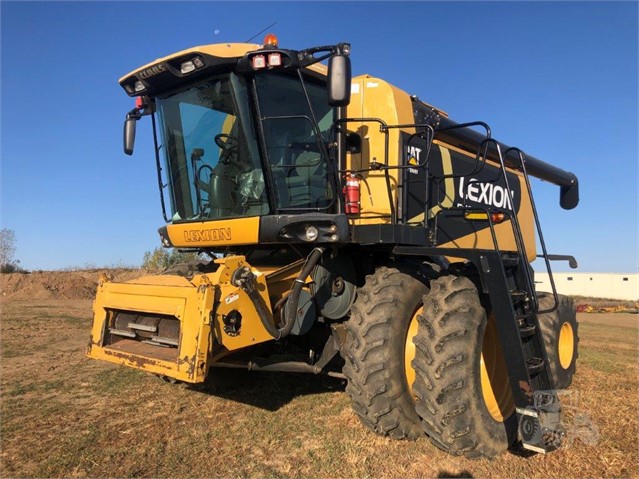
413,158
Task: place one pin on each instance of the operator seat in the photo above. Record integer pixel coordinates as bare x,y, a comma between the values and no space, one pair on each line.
306,181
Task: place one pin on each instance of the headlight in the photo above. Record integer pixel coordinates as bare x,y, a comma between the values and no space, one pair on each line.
311,233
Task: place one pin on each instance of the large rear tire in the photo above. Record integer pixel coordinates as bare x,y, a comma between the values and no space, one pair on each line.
559,332
461,413
378,350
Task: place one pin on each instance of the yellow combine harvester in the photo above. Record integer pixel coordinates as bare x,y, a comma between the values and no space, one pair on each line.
354,230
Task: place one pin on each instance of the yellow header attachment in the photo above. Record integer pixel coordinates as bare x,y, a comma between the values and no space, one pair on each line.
172,326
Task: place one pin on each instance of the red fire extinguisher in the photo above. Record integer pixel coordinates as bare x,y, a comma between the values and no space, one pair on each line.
351,194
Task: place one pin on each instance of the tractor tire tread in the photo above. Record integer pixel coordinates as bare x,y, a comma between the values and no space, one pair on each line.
376,384
448,385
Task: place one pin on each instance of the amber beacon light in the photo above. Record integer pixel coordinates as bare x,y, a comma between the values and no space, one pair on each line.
270,40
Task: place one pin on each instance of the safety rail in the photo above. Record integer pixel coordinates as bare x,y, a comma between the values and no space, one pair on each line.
481,156
385,167
542,242
428,133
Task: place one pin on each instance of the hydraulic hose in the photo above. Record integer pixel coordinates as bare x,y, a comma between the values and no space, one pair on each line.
245,280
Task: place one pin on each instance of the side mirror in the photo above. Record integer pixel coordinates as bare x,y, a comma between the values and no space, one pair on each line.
129,133
339,80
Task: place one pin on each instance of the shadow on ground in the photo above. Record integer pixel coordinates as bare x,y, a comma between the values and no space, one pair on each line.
266,390
444,474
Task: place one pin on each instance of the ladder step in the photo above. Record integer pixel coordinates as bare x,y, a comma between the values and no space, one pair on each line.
535,366
518,296
509,260
527,330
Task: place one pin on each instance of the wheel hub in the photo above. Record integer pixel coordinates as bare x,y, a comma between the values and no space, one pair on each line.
566,345
409,350
495,385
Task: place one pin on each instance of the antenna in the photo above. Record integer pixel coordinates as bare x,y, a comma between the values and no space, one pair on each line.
260,32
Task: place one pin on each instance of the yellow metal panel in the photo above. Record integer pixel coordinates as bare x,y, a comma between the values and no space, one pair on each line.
144,300
252,331
233,298
191,305
233,231
375,98
162,280
155,366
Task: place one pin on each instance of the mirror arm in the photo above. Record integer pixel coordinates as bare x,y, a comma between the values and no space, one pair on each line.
134,114
146,107
306,56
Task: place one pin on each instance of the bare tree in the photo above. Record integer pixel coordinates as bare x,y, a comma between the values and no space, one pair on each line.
161,258
7,250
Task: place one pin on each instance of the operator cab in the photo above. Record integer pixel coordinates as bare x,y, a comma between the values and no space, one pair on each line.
246,135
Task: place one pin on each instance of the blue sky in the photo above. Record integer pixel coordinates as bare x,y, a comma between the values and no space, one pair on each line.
557,79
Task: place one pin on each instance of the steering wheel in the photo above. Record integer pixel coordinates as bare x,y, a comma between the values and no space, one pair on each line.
226,142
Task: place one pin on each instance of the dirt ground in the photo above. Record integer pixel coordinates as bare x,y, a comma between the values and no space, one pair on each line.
79,284
63,415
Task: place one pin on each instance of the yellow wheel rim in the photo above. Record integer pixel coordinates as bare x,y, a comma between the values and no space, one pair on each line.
409,350
495,385
566,345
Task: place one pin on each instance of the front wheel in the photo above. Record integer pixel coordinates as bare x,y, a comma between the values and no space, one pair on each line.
462,388
379,351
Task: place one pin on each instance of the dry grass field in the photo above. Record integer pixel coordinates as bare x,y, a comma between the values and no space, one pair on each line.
63,415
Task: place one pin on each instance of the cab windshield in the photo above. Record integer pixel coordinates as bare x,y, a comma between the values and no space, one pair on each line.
294,143
210,152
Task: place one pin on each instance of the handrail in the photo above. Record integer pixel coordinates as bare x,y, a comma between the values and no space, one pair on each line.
505,156
522,159
461,136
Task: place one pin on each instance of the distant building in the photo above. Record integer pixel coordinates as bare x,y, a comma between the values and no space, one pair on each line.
595,285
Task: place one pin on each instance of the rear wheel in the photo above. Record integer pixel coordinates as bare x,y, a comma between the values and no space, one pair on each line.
559,331
379,351
462,388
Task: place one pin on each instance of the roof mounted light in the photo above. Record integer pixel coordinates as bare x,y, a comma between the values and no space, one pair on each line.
187,67
270,40
191,65
258,61
139,86
274,60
